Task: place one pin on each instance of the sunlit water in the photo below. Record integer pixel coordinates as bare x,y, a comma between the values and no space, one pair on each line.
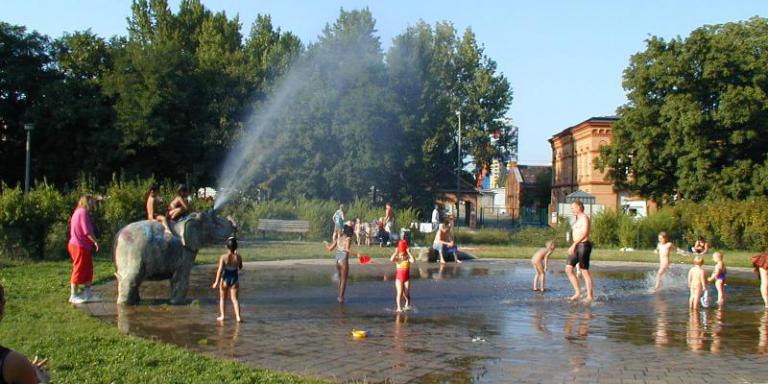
476,322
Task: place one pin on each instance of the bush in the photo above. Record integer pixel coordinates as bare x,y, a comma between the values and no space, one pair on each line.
26,220
604,229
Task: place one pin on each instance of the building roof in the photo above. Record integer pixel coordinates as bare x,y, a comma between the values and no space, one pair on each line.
597,119
531,173
446,182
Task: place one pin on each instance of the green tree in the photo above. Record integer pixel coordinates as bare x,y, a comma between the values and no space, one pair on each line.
24,75
695,124
433,73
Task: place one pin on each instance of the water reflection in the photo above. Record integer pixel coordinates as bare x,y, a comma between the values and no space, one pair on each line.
576,330
538,320
762,330
716,331
661,334
695,334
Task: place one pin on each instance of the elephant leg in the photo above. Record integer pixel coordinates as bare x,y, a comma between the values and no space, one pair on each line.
180,283
128,284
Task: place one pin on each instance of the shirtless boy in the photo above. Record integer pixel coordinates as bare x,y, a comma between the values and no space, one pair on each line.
540,260
697,282
663,249
579,252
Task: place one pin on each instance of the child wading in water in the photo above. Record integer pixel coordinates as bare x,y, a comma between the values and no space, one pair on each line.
226,279
718,276
403,258
697,282
663,249
540,260
342,245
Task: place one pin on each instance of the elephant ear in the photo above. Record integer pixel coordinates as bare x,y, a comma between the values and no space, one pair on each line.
190,233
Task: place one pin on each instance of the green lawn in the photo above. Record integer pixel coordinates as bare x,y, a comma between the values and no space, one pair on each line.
314,250
81,349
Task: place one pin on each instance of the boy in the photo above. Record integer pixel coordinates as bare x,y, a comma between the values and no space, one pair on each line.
697,282
663,249
540,260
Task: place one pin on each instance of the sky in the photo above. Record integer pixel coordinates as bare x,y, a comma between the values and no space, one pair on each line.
563,58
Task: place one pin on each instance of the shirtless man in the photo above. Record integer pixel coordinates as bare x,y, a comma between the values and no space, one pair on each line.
579,252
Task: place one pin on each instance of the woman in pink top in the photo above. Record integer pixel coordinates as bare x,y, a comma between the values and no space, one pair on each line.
81,242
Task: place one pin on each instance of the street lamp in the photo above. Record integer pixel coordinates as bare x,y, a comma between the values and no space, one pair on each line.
28,127
458,171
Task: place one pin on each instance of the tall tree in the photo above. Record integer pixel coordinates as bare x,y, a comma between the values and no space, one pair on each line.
25,74
696,122
434,74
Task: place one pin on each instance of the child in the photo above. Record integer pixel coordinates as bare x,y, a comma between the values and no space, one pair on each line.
227,279
662,248
403,259
701,246
178,206
697,282
718,276
342,245
152,207
540,260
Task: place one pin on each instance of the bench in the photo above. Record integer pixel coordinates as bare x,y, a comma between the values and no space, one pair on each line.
287,226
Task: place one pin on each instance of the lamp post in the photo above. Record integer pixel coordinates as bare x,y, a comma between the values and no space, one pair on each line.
28,127
458,171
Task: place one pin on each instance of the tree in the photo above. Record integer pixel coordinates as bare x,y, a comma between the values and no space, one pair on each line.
24,75
433,73
696,122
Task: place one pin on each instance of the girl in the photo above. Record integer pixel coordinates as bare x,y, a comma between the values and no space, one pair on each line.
718,276
179,207
662,248
342,245
403,258
152,207
701,246
227,279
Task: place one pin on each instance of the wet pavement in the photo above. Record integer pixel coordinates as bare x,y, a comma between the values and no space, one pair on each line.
475,322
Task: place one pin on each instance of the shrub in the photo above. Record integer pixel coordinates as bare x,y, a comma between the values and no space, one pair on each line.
604,229
26,220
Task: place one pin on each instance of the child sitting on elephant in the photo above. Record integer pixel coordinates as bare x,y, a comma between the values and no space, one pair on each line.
152,207
227,278
179,206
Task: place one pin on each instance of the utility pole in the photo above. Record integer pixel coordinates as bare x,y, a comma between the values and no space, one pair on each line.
28,127
458,171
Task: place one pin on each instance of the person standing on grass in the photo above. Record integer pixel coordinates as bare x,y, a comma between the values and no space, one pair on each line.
389,220
82,242
579,252
435,218
338,222
15,368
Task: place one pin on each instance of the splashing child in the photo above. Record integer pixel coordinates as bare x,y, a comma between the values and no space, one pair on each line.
662,249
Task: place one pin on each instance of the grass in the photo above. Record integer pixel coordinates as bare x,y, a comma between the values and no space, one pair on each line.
314,250
82,349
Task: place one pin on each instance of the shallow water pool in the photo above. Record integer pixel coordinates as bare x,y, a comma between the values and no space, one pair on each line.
474,322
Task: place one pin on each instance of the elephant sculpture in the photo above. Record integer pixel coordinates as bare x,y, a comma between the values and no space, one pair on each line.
144,250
